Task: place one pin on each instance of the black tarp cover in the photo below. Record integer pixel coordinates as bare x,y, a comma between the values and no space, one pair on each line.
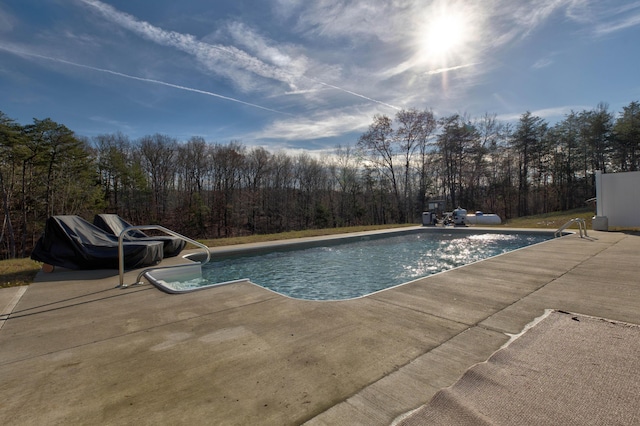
71,242
114,224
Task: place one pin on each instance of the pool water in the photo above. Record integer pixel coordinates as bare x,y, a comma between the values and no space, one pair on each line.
356,267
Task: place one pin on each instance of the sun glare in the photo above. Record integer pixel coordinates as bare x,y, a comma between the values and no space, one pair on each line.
444,34
446,39
445,31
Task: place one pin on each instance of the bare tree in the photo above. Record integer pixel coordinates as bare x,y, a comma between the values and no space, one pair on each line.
414,131
192,159
158,154
228,162
115,168
378,144
345,172
456,144
257,168
527,142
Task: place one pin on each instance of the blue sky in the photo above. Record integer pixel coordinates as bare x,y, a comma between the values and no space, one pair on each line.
296,74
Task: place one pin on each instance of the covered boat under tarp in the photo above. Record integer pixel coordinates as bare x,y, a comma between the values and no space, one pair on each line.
73,243
114,224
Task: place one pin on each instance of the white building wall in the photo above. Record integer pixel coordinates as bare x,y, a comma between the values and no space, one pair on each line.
618,199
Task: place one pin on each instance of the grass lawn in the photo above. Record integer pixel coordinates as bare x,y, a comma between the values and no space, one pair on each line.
295,234
552,220
16,272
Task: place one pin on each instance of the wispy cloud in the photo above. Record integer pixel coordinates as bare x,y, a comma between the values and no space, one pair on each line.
227,60
618,25
282,55
7,21
546,113
112,123
216,58
322,125
542,63
530,15
559,111
603,16
514,21
356,19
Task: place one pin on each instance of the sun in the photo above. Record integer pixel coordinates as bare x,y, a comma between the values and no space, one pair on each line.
444,34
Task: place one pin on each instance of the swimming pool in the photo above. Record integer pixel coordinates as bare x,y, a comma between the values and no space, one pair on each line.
356,266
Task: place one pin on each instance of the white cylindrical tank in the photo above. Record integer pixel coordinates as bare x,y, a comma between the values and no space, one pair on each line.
459,216
483,219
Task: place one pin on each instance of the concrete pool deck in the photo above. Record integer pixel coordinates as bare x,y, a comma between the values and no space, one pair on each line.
76,350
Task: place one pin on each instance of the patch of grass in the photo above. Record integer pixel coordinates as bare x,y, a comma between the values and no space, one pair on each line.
294,234
17,272
552,220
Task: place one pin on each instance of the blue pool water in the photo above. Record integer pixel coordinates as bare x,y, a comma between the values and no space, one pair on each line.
359,266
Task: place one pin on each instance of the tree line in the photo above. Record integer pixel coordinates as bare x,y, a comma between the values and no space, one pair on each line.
210,190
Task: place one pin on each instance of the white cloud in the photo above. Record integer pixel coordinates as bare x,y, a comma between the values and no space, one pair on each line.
326,124
618,25
542,63
7,21
558,112
603,17
282,55
354,19
286,8
125,127
512,21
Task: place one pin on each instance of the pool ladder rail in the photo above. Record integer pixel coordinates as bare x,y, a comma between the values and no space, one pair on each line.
123,235
582,226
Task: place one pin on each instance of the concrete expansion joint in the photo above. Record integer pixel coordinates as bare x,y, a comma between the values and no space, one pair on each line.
8,309
409,308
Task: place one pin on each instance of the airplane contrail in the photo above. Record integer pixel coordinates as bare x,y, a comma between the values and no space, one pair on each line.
354,94
147,80
441,70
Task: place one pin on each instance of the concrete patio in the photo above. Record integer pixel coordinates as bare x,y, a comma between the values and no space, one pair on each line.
74,349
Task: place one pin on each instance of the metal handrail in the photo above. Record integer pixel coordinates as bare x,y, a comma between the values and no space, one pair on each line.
582,226
157,228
